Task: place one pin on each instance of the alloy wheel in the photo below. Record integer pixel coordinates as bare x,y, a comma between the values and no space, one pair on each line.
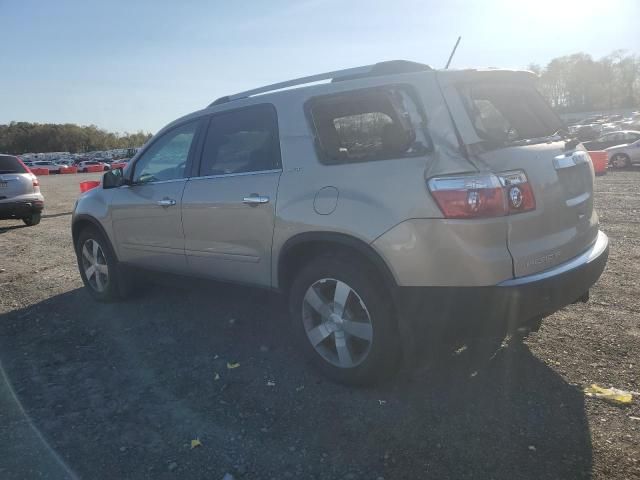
337,323
95,265
620,161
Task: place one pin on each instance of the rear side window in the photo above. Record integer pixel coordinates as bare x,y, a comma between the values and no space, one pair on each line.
632,137
242,141
503,113
614,137
373,124
11,165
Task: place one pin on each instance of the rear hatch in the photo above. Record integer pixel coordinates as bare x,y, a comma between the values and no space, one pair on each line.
14,178
507,126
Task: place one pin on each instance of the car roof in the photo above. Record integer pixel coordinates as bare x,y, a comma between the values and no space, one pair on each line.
310,86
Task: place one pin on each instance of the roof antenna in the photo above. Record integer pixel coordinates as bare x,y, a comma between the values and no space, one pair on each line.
453,52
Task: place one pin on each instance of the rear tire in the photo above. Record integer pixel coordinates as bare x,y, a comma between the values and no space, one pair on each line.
620,160
99,268
341,305
33,219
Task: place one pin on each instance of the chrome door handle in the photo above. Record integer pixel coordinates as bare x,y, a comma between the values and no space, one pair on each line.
166,202
255,199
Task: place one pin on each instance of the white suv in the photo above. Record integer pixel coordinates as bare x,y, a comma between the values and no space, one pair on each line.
394,205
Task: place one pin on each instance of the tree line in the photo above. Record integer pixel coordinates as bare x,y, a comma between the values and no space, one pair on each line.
26,137
578,83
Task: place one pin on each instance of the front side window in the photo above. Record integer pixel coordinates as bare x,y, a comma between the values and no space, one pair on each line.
166,158
372,124
242,141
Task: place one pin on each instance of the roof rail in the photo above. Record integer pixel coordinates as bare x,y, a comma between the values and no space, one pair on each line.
377,69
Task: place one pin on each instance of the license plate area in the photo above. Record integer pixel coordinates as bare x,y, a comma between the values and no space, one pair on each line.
3,184
574,181
574,175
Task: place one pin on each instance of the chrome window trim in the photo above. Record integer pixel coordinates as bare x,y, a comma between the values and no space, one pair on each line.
239,174
224,175
159,182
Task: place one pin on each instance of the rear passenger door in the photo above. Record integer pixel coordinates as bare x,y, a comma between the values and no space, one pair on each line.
228,206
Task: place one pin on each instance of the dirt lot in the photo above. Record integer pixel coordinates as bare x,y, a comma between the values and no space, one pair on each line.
120,390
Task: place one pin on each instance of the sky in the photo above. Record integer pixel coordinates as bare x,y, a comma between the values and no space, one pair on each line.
137,65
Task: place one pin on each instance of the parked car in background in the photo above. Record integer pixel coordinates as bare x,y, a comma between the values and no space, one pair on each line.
119,163
587,132
68,162
82,166
20,196
53,167
611,139
609,127
622,156
382,234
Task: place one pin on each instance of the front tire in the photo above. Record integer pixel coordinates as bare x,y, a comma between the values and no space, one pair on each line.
343,319
33,219
98,266
620,160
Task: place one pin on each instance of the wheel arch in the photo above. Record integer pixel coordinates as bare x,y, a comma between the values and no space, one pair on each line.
301,248
82,221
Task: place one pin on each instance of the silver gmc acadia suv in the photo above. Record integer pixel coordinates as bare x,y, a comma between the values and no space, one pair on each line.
392,204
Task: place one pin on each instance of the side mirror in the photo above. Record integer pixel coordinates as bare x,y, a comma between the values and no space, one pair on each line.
113,178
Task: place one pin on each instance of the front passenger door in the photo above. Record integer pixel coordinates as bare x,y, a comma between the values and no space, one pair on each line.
146,215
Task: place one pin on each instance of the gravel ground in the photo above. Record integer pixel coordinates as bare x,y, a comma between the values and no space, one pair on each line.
120,390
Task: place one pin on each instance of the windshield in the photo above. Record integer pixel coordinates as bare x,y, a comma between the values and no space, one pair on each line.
11,165
506,113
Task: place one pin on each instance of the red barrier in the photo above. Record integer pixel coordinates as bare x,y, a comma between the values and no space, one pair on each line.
88,185
600,161
69,170
93,168
39,171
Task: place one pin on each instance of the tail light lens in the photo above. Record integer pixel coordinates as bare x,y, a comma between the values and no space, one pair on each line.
519,192
34,179
469,196
483,195
23,165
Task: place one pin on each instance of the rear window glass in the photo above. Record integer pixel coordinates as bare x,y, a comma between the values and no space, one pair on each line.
372,124
11,165
506,113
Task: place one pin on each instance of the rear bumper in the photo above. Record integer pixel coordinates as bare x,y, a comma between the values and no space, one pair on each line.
20,209
433,312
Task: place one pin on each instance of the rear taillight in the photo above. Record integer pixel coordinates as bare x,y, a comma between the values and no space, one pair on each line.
518,191
483,195
23,165
35,181
469,196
